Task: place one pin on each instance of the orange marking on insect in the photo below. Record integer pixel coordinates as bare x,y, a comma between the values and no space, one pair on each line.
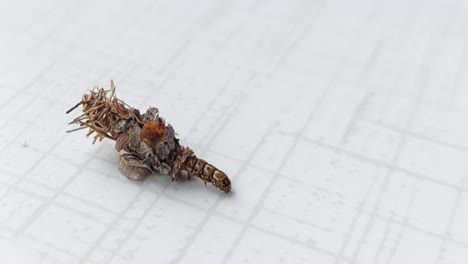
152,132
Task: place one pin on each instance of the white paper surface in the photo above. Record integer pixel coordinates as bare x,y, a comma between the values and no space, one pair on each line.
343,126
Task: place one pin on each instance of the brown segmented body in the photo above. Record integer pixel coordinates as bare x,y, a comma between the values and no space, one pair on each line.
208,173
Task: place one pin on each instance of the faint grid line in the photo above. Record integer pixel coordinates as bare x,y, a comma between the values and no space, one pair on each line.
22,177
248,224
221,91
459,192
385,164
34,22
275,175
39,211
54,61
49,245
447,235
252,226
461,71
163,194
209,211
412,227
340,255
417,135
118,217
45,205
423,79
296,140
110,226
135,226
403,226
355,117
299,35
388,220
212,208
59,191
28,86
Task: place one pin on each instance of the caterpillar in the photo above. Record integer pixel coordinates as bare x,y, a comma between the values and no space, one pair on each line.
146,143
208,173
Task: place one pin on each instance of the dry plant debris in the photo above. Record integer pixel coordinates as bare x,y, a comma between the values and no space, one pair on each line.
146,143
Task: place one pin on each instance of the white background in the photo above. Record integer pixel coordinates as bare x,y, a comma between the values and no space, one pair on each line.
343,125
